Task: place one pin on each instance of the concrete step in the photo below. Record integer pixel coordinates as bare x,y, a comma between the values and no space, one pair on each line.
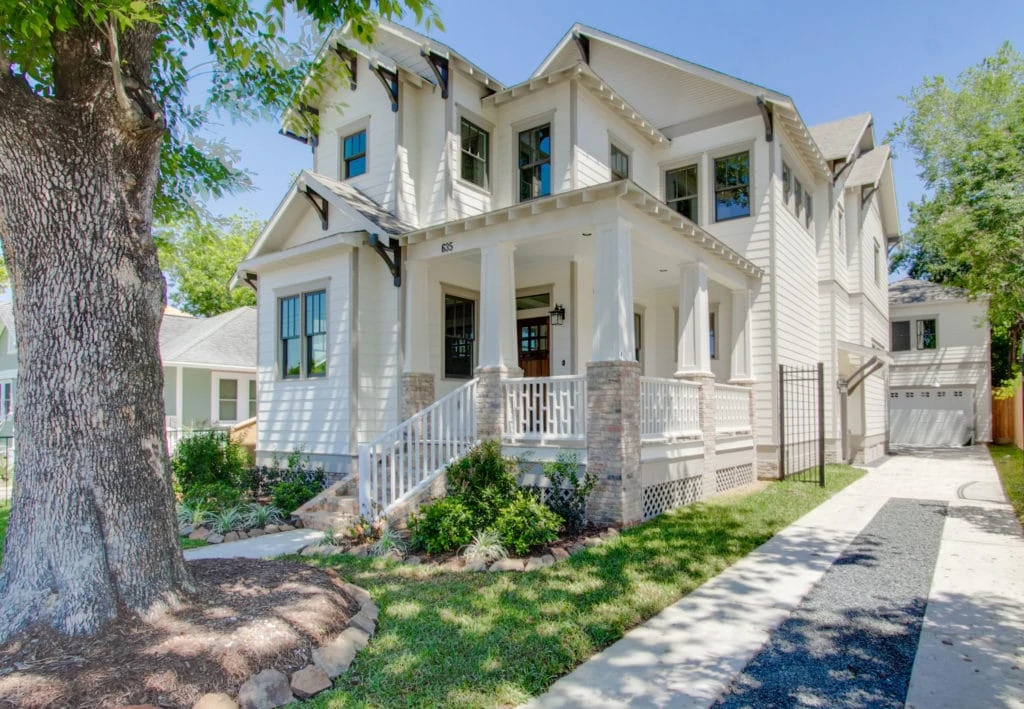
338,521
332,503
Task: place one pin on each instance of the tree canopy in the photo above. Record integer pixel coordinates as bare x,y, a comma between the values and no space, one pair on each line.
967,138
199,257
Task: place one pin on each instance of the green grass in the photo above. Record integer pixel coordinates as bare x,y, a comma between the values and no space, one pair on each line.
5,512
1009,462
187,543
484,640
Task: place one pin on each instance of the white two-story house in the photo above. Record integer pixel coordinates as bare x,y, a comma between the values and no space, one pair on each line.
613,257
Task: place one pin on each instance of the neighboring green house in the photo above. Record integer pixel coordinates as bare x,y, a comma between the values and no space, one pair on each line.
209,369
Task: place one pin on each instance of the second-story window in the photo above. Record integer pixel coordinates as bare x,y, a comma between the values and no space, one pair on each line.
475,143
808,209
787,183
926,334
878,263
732,186
354,154
798,192
535,162
681,191
620,163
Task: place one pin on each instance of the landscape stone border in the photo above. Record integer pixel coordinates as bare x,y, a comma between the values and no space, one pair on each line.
205,535
272,688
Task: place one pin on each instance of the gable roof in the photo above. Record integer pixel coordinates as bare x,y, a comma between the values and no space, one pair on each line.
225,340
7,321
909,291
838,140
867,170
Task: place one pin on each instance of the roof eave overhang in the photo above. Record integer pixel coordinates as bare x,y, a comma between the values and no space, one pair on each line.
801,135
302,251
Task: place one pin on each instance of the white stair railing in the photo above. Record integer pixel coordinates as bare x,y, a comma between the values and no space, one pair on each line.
401,462
669,408
545,408
732,409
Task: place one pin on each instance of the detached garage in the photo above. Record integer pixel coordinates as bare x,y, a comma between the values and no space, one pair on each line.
942,416
940,393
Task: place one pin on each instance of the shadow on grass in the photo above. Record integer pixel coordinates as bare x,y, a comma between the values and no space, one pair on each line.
449,638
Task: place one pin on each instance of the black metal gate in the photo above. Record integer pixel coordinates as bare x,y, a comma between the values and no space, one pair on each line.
802,423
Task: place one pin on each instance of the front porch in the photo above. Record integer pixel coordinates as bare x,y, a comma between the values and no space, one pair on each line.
633,324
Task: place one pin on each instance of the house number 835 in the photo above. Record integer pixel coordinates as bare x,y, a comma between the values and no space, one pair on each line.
447,247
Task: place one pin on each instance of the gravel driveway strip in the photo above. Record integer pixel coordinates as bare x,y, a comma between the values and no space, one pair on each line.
851,642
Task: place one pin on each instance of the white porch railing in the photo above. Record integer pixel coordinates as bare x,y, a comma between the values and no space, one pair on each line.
406,459
545,408
669,408
732,409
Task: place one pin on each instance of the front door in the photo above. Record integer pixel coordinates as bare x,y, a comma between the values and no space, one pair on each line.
535,347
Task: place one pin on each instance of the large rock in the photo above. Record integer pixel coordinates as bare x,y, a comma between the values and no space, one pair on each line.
309,681
231,537
475,566
218,700
364,622
335,657
272,529
267,690
200,533
215,538
507,565
559,553
256,532
286,528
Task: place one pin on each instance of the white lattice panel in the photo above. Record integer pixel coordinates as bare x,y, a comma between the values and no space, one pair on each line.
670,495
734,476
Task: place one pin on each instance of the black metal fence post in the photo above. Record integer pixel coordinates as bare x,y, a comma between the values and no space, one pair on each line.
821,424
782,422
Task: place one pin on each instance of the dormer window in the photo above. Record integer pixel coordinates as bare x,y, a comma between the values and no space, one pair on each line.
619,163
535,162
354,154
475,145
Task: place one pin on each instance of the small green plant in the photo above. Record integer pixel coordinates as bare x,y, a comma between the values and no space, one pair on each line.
567,497
257,515
211,496
184,513
486,547
292,494
208,458
390,543
229,519
442,526
525,524
364,531
331,536
485,480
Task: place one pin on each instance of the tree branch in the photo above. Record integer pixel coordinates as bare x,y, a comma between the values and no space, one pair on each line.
115,66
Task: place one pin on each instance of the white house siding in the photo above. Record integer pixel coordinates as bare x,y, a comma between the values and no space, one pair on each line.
378,346
468,198
310,414
597,127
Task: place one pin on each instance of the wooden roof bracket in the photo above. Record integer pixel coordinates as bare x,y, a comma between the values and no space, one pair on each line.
351,62
389,80
768,115
583,45
440,65
865,195
394,260
319,204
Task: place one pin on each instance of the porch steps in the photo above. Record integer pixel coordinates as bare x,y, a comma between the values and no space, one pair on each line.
336,508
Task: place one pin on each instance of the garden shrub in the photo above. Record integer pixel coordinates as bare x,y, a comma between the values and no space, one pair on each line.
205,459
289,495
443,526
526,523
485,480
212,496
297,475
567,497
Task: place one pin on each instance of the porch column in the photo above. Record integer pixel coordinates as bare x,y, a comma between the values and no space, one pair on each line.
742,371
613,384
497,350
417,377
694,354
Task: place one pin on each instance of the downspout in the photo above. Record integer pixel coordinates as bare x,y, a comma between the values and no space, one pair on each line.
773,284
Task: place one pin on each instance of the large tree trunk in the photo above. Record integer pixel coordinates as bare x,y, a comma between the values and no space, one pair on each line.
92,531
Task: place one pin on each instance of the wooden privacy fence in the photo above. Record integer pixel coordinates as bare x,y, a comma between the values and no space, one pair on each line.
1008,419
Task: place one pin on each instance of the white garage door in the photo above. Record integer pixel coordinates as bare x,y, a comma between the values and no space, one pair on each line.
931,416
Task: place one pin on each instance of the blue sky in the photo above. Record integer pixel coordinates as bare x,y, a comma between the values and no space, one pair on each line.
833,58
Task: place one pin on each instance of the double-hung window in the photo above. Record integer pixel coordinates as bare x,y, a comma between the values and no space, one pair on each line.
900,336
787,183
6,400
925,331
459,333
619,163
303,335
354,154
681,191
808,209
227,400
926,339
235,398
535,162
732,186
475,145
798,192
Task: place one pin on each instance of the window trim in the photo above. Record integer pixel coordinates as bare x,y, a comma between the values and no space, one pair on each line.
518,132
466,294
918,333
696,195
359,125
915,327
910,336
300,291
713,158
487,129
241,398
616,145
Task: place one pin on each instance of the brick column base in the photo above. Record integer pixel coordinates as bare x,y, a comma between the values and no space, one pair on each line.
613,442
417,393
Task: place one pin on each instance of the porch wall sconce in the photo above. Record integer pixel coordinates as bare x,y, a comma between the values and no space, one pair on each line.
557,314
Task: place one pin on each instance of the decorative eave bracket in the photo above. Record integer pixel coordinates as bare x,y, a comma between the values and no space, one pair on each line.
393,260
389,80
768,115
866,192
440,65
349,58
319,204
583,45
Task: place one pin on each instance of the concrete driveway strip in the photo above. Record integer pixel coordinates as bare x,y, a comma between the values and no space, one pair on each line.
257,548
970,647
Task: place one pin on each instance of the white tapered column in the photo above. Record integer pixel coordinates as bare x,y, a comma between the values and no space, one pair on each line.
613,294
417,378
694,354
497,348
741,371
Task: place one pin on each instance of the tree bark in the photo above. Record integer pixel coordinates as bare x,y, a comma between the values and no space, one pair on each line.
92,531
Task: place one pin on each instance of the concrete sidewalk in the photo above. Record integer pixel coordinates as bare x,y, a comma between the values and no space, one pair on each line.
257,547
971,649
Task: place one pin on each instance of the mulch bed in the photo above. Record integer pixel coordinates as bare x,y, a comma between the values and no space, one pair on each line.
246,616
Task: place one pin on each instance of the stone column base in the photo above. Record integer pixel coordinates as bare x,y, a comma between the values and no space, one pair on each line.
417,393
613,442
490,405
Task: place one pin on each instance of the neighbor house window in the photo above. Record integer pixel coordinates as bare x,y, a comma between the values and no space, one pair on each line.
808,210
787,183
476,146
535,162
620,164
354,152
732,186
303,335
227,400
459,333
681,191
926,334
6,400
315,306
252,397
901,336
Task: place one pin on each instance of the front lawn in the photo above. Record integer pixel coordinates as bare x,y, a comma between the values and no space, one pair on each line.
187,543
1009,462
497,639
